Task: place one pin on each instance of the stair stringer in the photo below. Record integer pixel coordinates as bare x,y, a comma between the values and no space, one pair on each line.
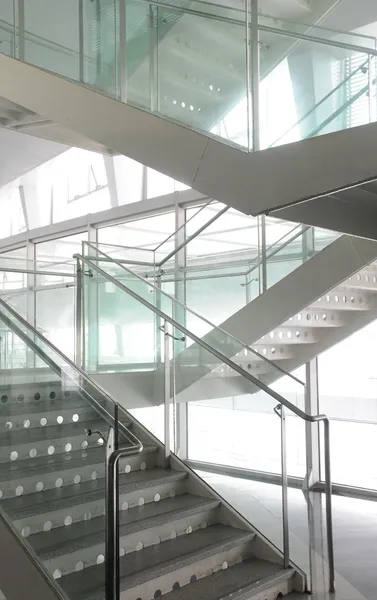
19,559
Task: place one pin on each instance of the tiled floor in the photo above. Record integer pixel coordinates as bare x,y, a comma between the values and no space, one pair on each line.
355,533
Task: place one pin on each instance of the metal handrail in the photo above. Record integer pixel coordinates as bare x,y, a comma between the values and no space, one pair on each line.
302,229
283,20
191,237
267,28
195,314
270,392
201,208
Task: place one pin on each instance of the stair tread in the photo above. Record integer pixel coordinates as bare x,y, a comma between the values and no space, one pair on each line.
48,464
88,533
155,561
72,495
28,436
231,582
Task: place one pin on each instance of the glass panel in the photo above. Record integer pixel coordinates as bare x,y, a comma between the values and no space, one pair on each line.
322,87
228,424
196,219
60,250
7,33
122,312
140,258
100,38
212,80
46,408
55,316
141,234
52,36
323,33
294,249
121,333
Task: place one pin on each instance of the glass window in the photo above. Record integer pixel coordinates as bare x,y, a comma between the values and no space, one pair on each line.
61,249
129,178
348,395
20,253
143,233
55,317
68,186
230,233
12,217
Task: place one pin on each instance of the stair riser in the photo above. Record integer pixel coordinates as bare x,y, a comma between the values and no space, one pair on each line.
283,588
92,509
30,395
183,576
54,416
281,352
61,477
133,542
46,447
317,318
289,334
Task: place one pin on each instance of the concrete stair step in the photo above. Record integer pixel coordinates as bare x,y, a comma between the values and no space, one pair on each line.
38,512
239,582
153,571
80,545
49,472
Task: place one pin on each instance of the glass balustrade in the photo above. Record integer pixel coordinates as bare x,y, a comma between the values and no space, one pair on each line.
193,64
123,335
47,408
231,420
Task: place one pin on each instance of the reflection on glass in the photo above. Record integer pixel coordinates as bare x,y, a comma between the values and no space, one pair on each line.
46,408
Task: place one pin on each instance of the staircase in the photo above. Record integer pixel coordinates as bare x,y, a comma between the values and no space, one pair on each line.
318,304
178,538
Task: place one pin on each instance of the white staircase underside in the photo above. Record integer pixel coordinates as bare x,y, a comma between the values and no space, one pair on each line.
316,306
283,176
16,120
